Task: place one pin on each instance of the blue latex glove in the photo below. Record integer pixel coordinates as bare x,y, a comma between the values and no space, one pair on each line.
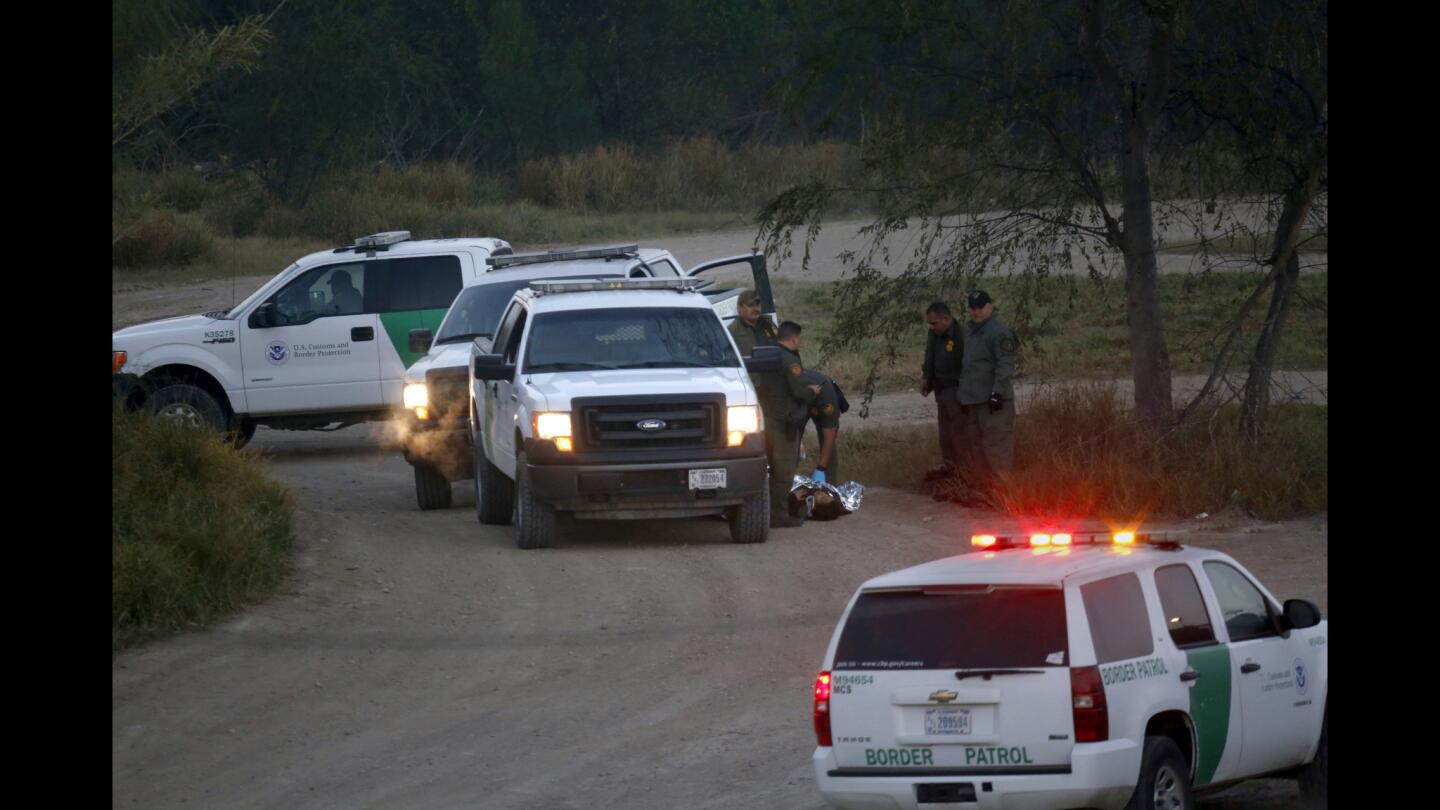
818,477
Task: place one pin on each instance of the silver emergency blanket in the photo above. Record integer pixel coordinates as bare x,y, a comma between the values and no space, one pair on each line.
848,494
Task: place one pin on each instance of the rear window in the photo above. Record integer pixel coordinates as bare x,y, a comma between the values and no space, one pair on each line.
1119,622
955,628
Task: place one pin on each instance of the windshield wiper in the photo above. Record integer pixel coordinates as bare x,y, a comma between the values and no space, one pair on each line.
544,367
463,336
669,364
986,673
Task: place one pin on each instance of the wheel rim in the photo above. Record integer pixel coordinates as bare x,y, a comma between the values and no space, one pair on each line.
182,413
1169,793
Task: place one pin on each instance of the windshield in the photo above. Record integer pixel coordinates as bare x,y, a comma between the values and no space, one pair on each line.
604,339
476,311
965,627
262,291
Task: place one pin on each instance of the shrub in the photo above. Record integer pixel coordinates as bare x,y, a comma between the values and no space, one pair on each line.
160,237
197,530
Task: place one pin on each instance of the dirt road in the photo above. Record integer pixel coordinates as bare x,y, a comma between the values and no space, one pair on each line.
418,659
134,302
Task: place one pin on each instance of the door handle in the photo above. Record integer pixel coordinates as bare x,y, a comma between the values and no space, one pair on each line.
1249,667
1189,675
362,333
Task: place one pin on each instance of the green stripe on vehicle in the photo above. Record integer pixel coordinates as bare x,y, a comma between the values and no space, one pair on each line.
398,325
1210,707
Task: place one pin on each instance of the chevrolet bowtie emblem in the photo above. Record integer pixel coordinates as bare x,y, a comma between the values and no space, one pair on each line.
942,696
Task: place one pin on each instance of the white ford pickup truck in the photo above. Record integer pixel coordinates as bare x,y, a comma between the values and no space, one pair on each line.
326,341
613,399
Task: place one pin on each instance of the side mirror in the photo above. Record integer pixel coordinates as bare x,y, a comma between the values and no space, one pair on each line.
491,367
1301,613
420,340
264,316
763,359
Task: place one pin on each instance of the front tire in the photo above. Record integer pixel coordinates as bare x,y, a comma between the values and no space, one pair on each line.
1315,777
750,521
188,405
1164,778
432,490
494,493
534,519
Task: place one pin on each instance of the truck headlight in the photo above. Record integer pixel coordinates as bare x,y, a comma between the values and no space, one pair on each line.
740,420
416,395
554,425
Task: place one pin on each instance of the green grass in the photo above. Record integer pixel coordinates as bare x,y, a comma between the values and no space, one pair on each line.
197,530
1076,327
1079,454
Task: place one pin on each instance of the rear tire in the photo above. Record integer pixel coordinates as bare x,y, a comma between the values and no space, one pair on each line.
182,404
243,433
750,521
1315,777
1164,778
494,493
432,490
534,520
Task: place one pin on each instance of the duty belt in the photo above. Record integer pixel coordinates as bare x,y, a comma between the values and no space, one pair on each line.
941,385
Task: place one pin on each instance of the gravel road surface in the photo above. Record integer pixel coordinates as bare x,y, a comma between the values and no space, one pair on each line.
418,659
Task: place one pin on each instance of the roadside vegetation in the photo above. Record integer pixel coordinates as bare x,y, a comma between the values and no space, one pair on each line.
198,222
197,530
1080,454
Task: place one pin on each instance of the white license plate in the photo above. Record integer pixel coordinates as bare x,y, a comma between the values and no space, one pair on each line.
707,479
947,721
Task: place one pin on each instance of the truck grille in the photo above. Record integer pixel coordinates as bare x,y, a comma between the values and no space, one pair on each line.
613,423
449,398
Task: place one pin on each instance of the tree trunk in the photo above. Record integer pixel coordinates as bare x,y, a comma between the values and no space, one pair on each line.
1298,201
1149,357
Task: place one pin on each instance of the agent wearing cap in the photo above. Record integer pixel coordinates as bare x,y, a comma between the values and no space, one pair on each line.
786,412
940,372
750,328
987,390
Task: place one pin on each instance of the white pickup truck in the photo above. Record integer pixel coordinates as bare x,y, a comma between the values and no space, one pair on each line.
323,342
614,399
437,438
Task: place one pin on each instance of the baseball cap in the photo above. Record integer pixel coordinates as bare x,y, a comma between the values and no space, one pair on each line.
978,299
749,297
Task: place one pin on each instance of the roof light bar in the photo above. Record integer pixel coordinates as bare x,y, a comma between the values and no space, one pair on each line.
514,260
677,284
384,239
1039,540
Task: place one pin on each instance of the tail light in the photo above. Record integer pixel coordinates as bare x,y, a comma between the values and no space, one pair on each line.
822,709
1087,694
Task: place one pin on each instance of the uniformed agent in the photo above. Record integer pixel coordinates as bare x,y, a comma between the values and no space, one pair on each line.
825,413
987,389
750,328
940,372
786,411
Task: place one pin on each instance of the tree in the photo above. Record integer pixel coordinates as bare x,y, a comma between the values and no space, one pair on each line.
1006,131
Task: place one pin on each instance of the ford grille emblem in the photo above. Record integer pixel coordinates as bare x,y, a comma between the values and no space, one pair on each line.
651,425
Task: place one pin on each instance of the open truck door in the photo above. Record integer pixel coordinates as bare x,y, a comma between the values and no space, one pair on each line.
724,296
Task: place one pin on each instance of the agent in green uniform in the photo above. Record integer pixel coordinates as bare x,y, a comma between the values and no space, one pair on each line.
940,372
825,413
987,389
786,409
750,328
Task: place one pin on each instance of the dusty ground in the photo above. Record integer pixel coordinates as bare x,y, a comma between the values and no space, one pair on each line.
418,659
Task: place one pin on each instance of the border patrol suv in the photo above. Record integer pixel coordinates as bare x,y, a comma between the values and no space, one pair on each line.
617,399
1061,671
437,441
324,341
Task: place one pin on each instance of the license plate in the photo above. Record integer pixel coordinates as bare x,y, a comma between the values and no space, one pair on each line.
947,721
707,479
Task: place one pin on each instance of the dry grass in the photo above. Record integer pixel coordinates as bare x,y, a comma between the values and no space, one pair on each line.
197,530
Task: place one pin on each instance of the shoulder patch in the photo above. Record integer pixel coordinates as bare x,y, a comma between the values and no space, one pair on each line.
949,345
829,408
1008,343
796,370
